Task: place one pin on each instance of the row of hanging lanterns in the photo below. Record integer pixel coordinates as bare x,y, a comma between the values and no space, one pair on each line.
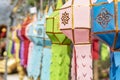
77,22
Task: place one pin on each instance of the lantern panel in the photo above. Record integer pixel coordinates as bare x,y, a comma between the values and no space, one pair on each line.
55,32
49,24
53,38
56,23
81,16
107,38
118,42
68,33
103,18
66,19
81,36
81,2
61,37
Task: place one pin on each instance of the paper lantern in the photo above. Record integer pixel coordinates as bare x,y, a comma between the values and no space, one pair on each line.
105,22
34,53
52,28
60,62
75,24
40,51
46,59
26,40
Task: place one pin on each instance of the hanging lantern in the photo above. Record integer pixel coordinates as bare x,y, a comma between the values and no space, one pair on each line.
106,22
60,62
75,24
39,51
26,40
46,59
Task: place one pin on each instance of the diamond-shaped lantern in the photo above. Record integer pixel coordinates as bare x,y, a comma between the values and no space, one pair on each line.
75,20
75,24
105,20
59,69
52,27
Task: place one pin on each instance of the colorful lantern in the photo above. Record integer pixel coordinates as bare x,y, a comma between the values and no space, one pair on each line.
34,52
60,62
26,40
105,26
46,59
75,24
38,50
106,22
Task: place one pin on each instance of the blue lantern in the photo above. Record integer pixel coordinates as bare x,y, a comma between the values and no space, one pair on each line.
106,22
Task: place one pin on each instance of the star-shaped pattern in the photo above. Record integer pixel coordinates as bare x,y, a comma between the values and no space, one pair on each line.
104,18
65,18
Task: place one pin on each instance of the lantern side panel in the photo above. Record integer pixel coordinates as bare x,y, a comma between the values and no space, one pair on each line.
81,16
66,18
103,18
69,33
49,24
61,37
81,2
84,62
117,45
107,38
53,38
81,36
56,23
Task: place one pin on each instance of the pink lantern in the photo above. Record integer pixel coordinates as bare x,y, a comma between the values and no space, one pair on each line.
75,24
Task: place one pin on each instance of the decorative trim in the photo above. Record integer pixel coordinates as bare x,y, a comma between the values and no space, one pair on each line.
98,4
55,32
116,22
104,32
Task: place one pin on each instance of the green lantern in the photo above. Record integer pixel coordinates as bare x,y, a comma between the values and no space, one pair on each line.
60,62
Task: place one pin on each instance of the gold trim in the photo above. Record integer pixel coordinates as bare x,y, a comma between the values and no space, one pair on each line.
73,36
90,31
98,4
72,18
104,32
116,22
75,28
82,28
60,44
63,8
90,36
55,32
72,2
66,29
82,43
